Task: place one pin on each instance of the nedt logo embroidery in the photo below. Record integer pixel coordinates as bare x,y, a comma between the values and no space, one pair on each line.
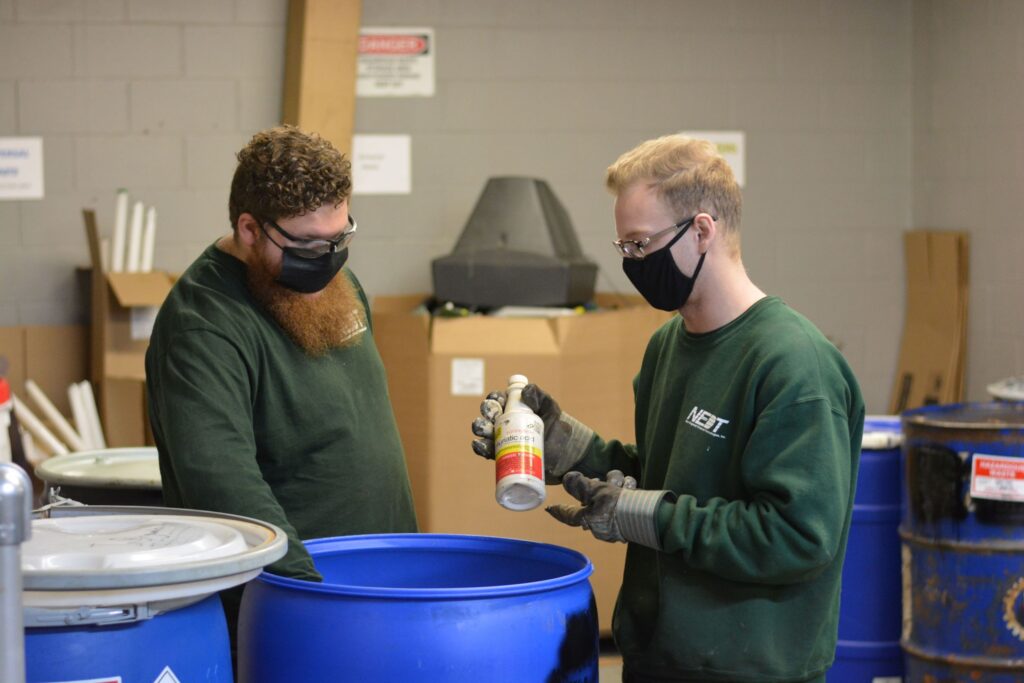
706,422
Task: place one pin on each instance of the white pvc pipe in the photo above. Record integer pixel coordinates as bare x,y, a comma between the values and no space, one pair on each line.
64,429
148,241
34,425
120,226
81,416
89,400
135,239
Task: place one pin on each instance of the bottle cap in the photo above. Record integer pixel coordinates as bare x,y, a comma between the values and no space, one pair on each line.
5,390
518,379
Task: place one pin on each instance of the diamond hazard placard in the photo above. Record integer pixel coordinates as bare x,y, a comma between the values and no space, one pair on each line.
997,477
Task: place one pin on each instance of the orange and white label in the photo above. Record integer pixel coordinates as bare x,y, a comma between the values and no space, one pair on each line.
997,477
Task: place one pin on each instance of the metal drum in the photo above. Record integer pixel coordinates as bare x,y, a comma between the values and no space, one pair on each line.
129,594
870,617
963,543
395,608
111,476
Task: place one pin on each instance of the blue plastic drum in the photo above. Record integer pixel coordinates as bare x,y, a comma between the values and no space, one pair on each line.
870,618
424,607
963,543
189,643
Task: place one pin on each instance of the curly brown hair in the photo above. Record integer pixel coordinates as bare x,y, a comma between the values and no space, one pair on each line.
284,172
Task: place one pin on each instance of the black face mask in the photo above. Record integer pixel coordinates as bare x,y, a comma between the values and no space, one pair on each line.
308,275
658,278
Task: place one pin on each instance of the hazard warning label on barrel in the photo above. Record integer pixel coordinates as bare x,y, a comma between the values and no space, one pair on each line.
997,477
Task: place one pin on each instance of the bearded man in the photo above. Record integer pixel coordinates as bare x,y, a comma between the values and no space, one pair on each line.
267,396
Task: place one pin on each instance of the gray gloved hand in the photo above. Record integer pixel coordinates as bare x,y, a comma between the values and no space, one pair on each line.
613,510
565,438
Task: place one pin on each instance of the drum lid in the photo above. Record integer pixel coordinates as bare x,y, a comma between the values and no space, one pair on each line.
1009,389
881,432
998,415
137,468
138,549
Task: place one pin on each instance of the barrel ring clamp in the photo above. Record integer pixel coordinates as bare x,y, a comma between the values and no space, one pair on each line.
1009,614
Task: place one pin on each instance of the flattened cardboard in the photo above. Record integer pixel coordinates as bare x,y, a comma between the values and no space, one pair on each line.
933,349
320,68
587,362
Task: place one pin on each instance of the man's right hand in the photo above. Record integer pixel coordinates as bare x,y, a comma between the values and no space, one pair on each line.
565,438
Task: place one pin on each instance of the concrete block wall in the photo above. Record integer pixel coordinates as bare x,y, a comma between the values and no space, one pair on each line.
968,164
157,96
149,95
559,89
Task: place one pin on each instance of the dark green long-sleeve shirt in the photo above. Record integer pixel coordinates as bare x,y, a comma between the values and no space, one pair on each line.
247,423
756,427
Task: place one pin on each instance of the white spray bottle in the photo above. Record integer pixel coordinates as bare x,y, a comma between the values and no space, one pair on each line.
519,452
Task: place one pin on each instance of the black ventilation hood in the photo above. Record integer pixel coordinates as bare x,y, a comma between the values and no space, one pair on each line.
518,249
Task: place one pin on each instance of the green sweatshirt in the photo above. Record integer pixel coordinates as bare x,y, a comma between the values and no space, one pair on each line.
756,428
247,423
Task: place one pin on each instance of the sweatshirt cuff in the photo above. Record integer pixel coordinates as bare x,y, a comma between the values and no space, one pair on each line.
636,515
580,438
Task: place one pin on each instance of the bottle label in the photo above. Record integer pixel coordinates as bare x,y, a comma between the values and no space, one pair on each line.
519,448
517,459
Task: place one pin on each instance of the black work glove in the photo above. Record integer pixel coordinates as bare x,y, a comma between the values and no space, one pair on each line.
613,510
566,439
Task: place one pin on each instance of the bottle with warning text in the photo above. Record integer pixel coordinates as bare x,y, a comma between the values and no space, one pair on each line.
519,452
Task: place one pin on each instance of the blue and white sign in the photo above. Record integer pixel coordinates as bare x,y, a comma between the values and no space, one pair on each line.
21,168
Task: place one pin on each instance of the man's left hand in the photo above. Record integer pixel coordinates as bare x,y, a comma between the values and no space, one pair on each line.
613,510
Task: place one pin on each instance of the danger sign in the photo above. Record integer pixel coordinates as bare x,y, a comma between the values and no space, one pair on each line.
395,62
997,477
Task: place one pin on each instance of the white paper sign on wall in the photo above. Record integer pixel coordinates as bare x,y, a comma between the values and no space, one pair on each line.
381,164
467,376
21,168
731,145
395,62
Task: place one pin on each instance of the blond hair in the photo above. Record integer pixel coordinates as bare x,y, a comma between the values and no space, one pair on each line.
689,174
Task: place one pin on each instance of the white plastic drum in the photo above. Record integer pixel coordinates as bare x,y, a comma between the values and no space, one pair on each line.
111,476
129,594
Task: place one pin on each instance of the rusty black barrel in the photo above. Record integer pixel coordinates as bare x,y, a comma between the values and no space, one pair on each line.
963,543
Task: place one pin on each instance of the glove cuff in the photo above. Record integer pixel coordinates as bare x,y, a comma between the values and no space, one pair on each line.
636,516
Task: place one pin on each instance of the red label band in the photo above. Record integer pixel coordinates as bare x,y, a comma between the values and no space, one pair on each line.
519,463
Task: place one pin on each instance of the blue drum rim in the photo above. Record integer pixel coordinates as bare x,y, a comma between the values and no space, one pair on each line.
456,542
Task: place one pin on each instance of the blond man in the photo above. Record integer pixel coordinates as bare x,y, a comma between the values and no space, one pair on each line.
736,498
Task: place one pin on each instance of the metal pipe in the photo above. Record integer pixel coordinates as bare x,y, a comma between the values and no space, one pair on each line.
15,528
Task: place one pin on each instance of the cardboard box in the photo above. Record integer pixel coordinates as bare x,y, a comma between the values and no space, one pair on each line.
124,306
439,370
933,349
52,356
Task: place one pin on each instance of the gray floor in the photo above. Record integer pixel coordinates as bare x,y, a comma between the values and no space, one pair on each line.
609,670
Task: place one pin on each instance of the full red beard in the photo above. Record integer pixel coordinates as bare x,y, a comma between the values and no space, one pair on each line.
332,319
